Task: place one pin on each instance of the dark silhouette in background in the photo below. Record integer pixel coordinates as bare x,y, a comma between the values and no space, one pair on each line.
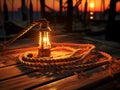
60,6
31,11
6,16
42,5
113,26
85,13
24,11
69,16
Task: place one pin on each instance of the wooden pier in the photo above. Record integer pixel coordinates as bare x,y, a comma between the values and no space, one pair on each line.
14,76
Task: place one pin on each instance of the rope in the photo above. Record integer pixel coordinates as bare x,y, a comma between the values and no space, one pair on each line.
72,62
21,33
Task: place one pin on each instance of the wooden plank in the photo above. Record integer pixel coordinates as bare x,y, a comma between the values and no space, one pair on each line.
95,41
108,43
35,79
13,71
27,81
73,83
112,85
7,60
106,46
9,57
102,45
32,79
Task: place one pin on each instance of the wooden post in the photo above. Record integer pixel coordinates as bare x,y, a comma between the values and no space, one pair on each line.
24,14
31,12
42,4
0,13
12,16
85,12
69,16
60,6
102,9
6,16
112,26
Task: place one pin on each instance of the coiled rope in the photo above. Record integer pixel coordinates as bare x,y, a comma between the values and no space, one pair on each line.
72,62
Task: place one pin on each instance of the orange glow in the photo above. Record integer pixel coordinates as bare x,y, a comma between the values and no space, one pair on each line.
44,40
91,13
95,5
91,17
92,5
118,6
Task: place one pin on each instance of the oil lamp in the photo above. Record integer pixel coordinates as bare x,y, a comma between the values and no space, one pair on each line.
44,42
60,58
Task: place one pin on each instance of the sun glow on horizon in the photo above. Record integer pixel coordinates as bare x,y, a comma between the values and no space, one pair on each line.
92,5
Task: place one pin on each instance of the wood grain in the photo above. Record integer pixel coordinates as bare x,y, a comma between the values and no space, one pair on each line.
15,76
13,71
73,83
29,80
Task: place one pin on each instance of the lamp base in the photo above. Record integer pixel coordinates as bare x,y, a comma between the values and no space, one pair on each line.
44,53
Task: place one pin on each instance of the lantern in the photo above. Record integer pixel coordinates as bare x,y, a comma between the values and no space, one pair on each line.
44,42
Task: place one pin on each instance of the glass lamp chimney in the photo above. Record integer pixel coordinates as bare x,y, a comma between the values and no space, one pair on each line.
44,41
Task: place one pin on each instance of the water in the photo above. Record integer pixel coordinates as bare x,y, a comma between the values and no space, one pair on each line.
2,33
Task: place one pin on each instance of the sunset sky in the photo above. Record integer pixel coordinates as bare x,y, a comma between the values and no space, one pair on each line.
93,5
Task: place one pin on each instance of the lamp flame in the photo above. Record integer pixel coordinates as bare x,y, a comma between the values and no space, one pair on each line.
44,41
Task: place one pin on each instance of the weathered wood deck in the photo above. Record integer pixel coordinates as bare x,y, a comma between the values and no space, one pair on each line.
14,76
